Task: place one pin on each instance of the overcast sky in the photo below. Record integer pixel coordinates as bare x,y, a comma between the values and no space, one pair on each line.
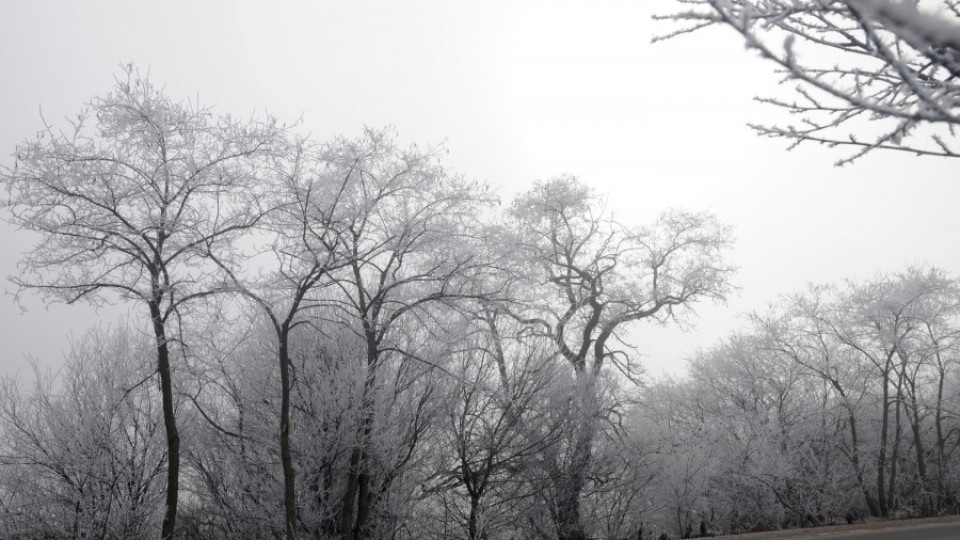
517,91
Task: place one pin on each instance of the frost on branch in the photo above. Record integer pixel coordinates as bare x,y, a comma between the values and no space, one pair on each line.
872,74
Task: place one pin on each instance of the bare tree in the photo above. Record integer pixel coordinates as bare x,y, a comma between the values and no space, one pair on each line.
589,278
873,74
939,351
883,335
878,320
304,249
496,422
130,205
233,464
409,229
828,407
804,335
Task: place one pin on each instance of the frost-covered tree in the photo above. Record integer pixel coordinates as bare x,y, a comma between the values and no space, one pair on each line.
872,74
588,278
496,421
302,234
410,234
829,406
81,450
126,202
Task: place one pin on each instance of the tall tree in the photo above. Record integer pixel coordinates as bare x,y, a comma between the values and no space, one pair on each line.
409,229
939,352
878,320
589,278
129,205
304,248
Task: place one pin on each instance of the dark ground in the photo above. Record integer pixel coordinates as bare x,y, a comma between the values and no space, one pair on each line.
942,528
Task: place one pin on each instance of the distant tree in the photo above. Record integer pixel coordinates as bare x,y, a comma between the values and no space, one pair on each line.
874,74
130,205
757,401
804,334
880,347
878,321
937,353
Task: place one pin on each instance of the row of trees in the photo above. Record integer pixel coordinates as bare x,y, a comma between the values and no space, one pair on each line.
863,375
342,339
839,403
346,340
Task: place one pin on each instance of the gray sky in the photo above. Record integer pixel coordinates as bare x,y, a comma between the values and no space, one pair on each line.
518,91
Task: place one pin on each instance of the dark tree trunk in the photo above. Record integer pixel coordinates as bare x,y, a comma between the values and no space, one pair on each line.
570,483
895,455
286,460
882,453
350,495
914,418
169,423
473,520
941,444
918,442
569,486
364,498
356,500
355,511
868,497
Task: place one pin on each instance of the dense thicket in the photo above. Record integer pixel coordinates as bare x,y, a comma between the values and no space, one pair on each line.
373,348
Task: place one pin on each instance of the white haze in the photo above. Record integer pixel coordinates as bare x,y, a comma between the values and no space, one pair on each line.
516,91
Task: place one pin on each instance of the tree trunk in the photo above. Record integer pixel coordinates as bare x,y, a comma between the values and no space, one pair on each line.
894,459
872,506
364,497
473,520
895,455
169,423
918,440
356,499
569,487
570,483
914,418
882,453
941,444
350,495
286,460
